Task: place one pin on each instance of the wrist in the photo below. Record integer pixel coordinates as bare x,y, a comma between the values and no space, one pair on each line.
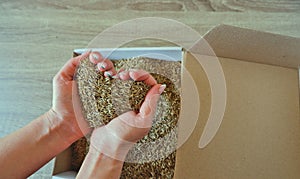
107,143
98,165
67,131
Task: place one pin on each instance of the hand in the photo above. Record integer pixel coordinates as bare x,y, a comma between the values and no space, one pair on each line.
62,101
117,137
66,103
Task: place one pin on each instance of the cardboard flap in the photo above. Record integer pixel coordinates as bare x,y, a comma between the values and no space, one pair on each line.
254,46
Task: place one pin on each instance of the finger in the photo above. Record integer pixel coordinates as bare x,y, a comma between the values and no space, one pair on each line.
124,75
110,73
67,71
117,75
105,65
147,111
127,127
120,70
77,106
95,57
137,75
141,75
148,108
130,121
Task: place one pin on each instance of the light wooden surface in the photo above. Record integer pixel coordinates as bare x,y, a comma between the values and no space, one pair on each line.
37,37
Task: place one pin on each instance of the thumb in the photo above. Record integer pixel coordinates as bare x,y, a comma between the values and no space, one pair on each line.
147,111
148,108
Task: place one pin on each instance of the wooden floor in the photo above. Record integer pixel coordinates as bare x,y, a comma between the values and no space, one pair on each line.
37,37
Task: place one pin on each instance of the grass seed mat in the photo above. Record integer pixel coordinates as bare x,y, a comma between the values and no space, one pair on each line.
103,99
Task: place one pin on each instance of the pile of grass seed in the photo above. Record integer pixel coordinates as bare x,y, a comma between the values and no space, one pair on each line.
103,99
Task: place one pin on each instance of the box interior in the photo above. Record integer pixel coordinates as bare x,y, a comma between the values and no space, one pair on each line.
259,134
260,131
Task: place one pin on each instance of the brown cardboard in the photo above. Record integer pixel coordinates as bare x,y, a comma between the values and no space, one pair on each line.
260,131
254,46
259,135
63,161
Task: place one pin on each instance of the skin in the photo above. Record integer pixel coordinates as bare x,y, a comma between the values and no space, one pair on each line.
26,150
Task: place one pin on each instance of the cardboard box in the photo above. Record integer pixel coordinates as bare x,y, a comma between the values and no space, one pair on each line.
258,136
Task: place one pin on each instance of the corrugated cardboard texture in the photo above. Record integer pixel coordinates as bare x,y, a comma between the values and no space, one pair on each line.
259,135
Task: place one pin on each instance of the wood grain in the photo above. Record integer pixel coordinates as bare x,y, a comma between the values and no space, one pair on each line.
37,37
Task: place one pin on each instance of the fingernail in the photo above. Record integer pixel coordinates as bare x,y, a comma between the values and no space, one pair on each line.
101,65
107,74
95,56
115,76
162,88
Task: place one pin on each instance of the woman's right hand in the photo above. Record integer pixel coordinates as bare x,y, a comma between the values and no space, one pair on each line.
118,136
